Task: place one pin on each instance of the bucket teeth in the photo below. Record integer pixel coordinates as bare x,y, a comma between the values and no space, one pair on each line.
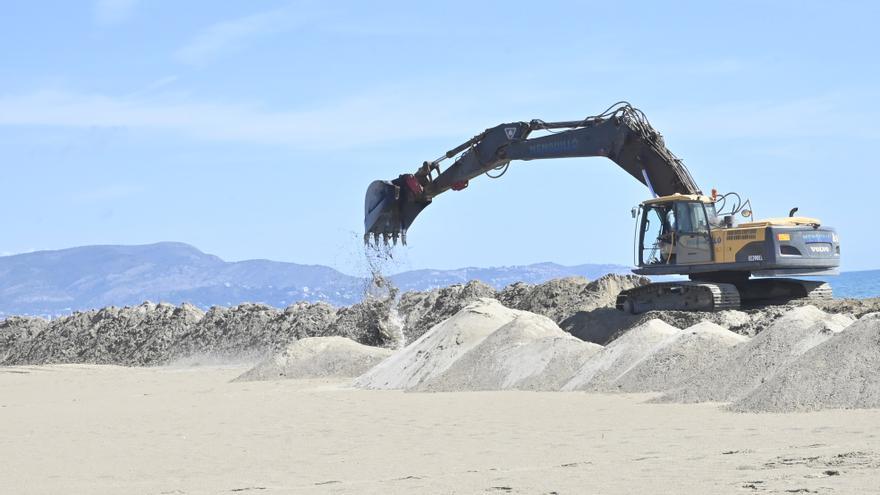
378,239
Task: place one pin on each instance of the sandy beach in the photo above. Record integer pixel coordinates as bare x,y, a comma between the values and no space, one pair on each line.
164,430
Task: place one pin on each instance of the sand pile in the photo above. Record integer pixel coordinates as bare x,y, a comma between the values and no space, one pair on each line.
603,325
136,335
554,299
620,356
150,334
529,353
562,298
161,333
679,357
366,322
857,307
842,372
434,352
484,347
229,331
318,357
16,331
420,311
756,361
252,330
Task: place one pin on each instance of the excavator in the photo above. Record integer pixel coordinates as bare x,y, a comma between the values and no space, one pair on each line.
680,230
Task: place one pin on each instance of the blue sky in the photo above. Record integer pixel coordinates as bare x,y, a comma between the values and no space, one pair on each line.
252,129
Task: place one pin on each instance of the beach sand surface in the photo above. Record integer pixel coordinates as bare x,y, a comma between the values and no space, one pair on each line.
106,430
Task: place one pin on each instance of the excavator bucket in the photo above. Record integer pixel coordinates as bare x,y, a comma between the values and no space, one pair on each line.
389,210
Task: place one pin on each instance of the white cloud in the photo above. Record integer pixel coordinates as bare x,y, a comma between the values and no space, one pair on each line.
379,116
231,35
413,112
110,12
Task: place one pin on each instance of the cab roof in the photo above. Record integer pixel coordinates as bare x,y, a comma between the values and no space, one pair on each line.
679,197
786,221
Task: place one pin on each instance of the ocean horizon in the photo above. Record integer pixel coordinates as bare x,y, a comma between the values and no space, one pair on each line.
856,285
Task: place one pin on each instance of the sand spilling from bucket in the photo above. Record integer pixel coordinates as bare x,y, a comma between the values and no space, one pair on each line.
318,357
529,353
756,361
679,357
842,372
620,356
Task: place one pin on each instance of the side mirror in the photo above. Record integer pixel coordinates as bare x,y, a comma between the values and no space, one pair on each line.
747,213
634,212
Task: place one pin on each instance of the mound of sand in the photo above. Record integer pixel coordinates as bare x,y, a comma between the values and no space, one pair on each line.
552,299
857,307
367,322
841,372
150,334
318,357
756,361
255,330
562,298
529,353
422,310
602,325
620,356
677,358
137,335
435,352
15,331
227,331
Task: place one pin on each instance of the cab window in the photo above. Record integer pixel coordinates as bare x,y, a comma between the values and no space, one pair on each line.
690,217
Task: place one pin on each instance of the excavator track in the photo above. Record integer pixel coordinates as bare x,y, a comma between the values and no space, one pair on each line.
679,296
780,290
821,292
710,296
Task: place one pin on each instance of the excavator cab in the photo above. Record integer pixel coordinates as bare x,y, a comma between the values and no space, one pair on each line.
675,230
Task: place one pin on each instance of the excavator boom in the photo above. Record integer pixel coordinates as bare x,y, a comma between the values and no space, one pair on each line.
622,133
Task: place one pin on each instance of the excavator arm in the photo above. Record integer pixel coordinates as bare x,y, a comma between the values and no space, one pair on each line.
621,133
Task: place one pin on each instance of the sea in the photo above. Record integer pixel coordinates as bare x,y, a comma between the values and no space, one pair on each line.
860,285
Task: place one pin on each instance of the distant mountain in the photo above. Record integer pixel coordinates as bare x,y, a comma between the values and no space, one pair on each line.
52,283
500,276
58,282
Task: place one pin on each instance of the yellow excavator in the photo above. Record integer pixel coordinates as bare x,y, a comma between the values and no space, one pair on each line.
681,230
